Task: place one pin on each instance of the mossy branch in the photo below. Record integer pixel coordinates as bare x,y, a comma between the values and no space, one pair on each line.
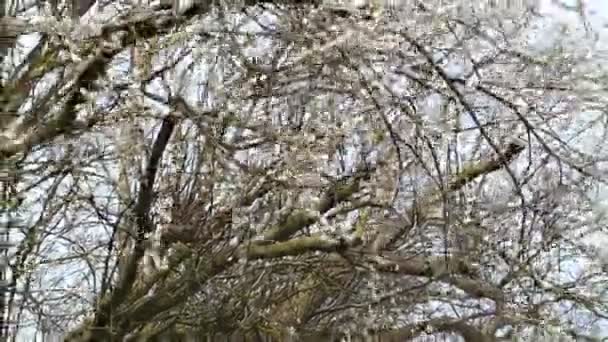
295,222
338,192
146,25
432,197
296,246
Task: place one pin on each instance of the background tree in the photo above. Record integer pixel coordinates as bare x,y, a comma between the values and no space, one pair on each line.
301,171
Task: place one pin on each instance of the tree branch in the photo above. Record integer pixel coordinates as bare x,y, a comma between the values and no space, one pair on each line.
468,174
103,315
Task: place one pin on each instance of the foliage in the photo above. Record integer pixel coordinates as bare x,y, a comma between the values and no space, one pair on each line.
292,170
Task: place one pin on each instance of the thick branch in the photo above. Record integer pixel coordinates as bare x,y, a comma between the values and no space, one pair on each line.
469,173
296,246
10,29
452,271
142,208
127,279
86,73
338,192
475,170
296,221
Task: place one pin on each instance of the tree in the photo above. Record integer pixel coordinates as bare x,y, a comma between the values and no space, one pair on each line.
287,171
